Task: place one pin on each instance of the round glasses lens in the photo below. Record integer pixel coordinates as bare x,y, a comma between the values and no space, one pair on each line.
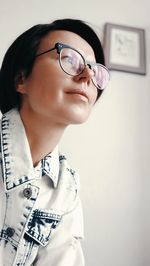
101,77
71,61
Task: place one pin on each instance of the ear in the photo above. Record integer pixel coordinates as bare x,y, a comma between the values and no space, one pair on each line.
20,82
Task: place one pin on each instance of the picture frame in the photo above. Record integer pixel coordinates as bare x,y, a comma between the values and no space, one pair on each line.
124,48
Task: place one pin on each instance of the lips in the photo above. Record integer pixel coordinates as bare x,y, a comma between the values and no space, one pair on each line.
78,92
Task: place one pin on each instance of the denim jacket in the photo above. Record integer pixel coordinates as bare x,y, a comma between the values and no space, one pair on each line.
33,230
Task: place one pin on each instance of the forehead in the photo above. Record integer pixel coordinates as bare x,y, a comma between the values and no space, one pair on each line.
69,38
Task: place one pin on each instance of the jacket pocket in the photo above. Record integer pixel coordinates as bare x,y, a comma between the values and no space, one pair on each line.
41,226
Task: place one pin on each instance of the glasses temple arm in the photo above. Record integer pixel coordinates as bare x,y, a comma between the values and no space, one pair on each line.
47,51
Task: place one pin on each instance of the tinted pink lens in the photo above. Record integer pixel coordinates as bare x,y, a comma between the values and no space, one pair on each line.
101,76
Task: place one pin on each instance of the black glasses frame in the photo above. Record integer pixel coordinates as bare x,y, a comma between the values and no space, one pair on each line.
59,46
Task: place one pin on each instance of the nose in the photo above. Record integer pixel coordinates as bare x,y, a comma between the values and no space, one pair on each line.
86,75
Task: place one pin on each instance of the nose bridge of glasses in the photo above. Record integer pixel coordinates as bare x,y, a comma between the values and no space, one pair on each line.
89,69
89,65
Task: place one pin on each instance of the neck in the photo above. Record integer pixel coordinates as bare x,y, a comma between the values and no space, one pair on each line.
43,136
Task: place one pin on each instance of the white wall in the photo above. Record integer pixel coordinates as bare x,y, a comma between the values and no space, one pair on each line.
112,150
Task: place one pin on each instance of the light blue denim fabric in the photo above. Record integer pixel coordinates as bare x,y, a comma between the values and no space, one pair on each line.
30,235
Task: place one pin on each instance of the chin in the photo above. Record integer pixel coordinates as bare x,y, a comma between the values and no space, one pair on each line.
79,119
77,115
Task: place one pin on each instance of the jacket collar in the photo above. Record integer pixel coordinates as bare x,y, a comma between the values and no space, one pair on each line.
16,156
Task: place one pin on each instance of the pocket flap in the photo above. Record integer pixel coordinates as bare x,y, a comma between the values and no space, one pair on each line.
41,225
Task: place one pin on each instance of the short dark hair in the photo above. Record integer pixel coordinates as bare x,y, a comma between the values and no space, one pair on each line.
20,56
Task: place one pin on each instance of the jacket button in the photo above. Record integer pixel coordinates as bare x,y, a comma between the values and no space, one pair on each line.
27,192
10,231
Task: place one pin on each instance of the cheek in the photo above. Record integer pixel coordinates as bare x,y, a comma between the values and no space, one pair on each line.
94,96
45,90
40,82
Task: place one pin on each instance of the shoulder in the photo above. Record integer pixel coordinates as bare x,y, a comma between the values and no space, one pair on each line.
67,172
68,183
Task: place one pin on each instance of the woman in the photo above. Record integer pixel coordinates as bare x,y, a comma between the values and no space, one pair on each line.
45,85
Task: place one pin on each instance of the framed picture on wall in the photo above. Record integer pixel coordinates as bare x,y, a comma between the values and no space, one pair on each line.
124,48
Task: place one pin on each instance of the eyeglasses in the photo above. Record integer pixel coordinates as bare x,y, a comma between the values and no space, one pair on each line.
73,63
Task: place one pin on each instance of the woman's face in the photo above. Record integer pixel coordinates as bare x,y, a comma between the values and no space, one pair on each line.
52,94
